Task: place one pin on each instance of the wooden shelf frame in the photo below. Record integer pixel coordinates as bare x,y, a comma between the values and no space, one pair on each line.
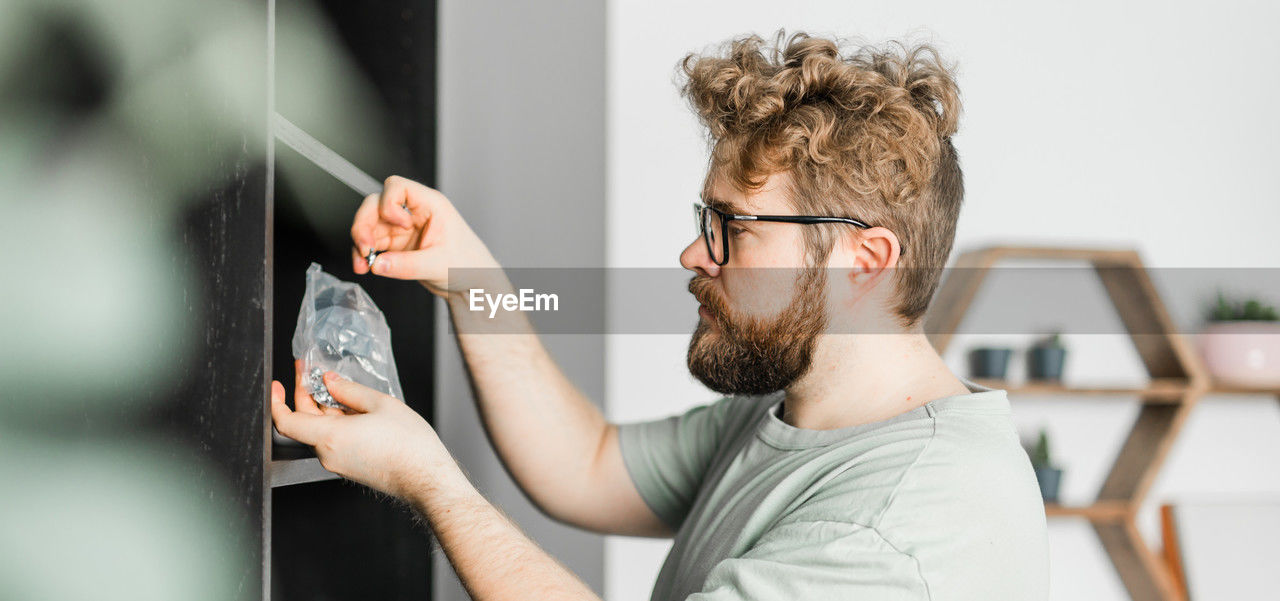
1170,390
1177,381
1224,388
1100,511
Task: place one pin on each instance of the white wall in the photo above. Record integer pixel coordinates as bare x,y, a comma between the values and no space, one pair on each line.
1148,125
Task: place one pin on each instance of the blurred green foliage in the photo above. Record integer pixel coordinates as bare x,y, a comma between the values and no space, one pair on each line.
1250,309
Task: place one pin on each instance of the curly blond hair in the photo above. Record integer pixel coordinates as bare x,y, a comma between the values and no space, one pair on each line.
864,133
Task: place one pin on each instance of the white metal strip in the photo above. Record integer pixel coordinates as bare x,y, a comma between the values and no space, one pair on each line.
325,158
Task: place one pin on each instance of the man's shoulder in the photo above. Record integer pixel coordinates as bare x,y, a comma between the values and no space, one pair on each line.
952,462
971,505
978,463
951,489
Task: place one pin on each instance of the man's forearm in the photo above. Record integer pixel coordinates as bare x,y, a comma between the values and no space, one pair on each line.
544,429
494,560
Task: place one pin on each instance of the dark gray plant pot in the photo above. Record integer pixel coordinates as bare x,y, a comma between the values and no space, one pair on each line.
992,363
1045,362
1049,479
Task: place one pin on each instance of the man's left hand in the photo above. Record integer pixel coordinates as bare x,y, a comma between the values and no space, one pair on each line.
379,441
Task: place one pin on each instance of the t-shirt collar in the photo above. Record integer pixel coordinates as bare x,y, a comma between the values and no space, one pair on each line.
780,434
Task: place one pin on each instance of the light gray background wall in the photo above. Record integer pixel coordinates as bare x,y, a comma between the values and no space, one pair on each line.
521,147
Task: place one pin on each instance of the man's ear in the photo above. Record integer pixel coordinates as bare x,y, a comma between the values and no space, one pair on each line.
870,252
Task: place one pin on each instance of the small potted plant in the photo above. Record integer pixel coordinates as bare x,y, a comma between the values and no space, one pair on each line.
989,362
1045,358
1240,343
1047,475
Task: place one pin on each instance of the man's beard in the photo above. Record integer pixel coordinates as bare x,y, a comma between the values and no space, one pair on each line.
753,356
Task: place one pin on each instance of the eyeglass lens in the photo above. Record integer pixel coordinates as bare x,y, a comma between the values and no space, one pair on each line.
710,223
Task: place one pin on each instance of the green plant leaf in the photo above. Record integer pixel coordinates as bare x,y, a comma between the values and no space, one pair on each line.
1250,309
1040,456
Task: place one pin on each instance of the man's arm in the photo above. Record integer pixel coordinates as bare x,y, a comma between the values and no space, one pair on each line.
494,560
382,443
556,445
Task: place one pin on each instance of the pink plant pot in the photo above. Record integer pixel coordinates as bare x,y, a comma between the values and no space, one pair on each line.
1243,353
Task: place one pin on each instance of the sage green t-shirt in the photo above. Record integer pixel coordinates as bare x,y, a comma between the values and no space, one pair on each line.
938,503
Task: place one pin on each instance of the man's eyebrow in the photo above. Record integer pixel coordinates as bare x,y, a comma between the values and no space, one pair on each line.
724,206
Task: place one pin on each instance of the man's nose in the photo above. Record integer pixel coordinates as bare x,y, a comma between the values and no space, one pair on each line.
695,258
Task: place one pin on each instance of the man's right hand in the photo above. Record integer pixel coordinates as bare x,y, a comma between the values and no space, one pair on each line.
557,445
420,236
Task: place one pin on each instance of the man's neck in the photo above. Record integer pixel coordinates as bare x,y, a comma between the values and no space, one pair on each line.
863,378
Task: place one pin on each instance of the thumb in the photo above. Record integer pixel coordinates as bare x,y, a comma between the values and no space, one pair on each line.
353,395
424,264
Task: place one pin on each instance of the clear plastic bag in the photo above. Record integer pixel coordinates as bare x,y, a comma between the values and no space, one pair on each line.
341,330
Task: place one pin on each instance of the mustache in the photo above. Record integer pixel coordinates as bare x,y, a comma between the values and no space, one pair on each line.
703,290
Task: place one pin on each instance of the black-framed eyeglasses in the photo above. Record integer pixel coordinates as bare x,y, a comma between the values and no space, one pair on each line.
713,225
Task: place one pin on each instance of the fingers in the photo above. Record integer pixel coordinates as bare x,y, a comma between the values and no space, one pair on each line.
407,265
355,396
302,427
302,400
404,202
392,219
363,227
359,264
394,208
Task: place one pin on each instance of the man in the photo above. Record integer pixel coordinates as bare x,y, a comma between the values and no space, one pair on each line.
845,462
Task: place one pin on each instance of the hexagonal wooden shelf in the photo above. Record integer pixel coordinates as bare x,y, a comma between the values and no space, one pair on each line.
1177,382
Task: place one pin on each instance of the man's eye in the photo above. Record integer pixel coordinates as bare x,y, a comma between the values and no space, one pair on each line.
736,230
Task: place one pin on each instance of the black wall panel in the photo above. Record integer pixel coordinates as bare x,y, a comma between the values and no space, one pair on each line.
333,539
